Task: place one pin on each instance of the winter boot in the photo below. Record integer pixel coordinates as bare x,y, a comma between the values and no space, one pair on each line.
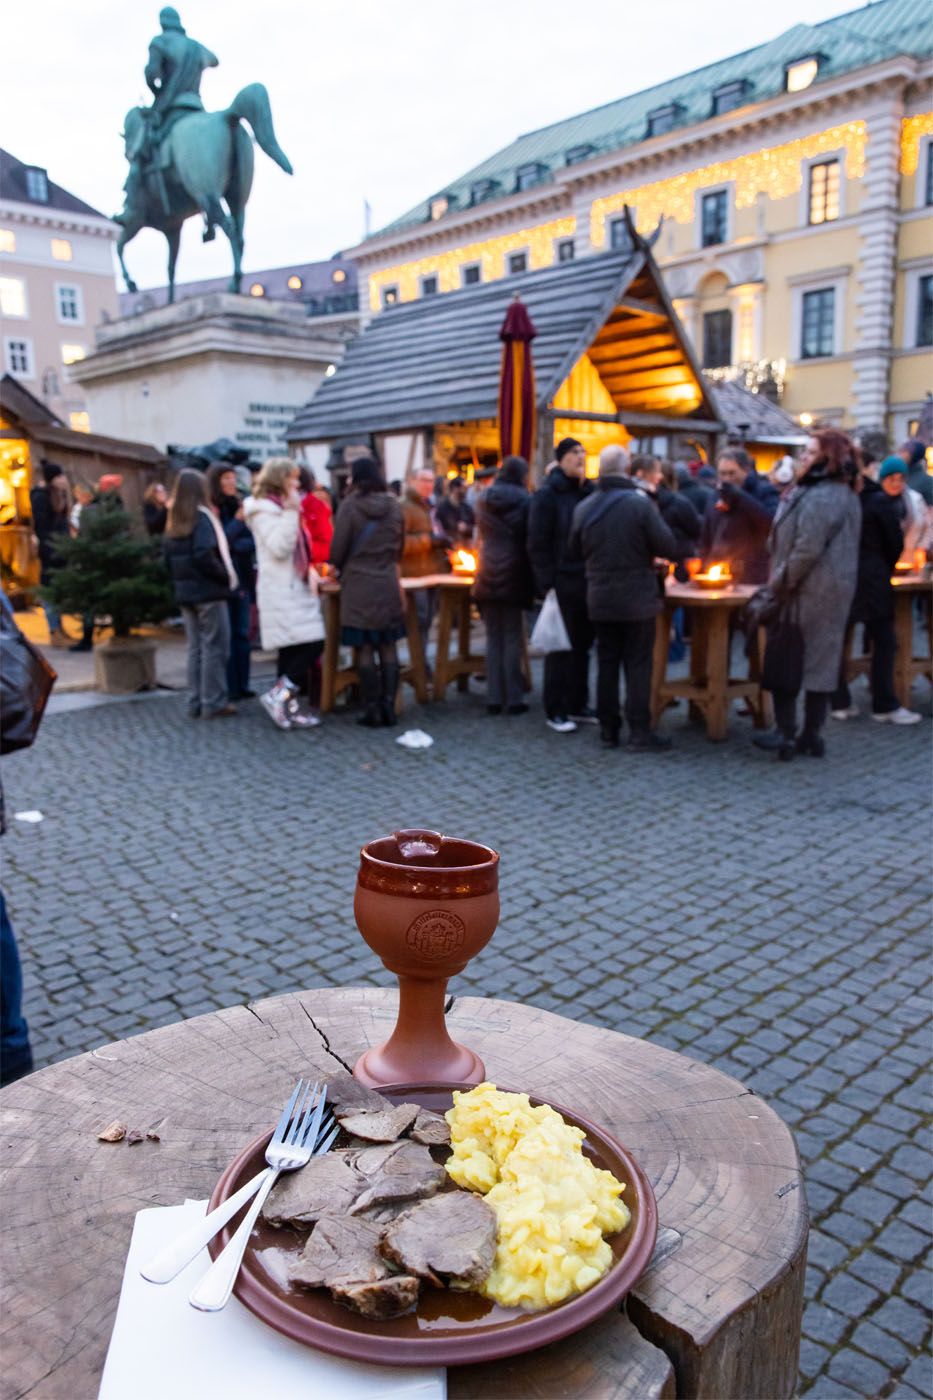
275,702
390,675
371,717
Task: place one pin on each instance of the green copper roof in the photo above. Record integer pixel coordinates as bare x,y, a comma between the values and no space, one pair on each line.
847,42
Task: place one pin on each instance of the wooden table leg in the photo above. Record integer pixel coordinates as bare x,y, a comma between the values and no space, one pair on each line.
331,606
904,640
444,628
699,637
463,641
717,674
662,642
419,670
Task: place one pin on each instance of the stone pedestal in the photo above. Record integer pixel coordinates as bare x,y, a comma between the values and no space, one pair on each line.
214,366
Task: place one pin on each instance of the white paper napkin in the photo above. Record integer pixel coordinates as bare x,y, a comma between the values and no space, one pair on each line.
162,1346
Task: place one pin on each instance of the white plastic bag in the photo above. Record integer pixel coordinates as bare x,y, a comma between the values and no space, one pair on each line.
549,632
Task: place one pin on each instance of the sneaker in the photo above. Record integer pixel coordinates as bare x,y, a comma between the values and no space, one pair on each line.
561,725
850,712
898,716
275,704
648,743
586,716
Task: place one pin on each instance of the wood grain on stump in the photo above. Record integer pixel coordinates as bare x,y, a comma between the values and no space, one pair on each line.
717,1314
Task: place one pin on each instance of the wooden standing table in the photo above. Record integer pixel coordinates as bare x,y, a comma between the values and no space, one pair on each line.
716,1314
453,616
336,678
907,666
710,687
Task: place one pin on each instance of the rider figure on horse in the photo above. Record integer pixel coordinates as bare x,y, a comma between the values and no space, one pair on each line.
173,74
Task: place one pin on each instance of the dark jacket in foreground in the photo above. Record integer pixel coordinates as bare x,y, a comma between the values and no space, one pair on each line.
241,543
814,561
738,535
880,548
549,520
618,532
197,571
370,591
504,572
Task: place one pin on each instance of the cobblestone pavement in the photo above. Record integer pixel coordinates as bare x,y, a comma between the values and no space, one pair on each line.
770,919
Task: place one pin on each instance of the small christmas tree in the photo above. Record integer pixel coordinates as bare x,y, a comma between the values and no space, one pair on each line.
111,570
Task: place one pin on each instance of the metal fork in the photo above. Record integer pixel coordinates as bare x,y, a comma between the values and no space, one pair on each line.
169,1261
292,1146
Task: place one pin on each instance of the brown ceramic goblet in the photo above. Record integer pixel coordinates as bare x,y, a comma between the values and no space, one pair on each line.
426,904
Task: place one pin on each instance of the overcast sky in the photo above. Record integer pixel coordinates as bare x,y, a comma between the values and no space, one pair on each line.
385,100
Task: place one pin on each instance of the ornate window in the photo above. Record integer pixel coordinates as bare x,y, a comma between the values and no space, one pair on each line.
471,275
72,353
714,218
717,339
925,310
823,204
565,250
518,263
818,323
61,250
619,236
429,285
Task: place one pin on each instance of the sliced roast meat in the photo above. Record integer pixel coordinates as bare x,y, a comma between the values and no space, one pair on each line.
384,1126
340,1250
347,1095
430,1128
449,1239
388,1297
401,1171
328,1185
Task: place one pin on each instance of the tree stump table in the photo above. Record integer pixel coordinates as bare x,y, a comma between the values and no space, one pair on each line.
717,1314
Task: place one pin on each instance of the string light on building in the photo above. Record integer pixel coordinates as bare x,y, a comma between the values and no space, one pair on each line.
913,130
539,242
776,171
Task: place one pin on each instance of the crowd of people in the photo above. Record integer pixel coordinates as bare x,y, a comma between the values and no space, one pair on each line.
819,536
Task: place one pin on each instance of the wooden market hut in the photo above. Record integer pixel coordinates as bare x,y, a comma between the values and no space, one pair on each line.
612,363
31,433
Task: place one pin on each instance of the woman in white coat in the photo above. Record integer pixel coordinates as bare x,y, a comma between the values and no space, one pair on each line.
290,617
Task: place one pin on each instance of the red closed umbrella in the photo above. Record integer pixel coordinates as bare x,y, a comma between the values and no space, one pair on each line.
517,383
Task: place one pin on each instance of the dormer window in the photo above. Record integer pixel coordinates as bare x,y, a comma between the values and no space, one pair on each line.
37,184
439,205
730,95
483,189
801,73
527,176
664,118
577,153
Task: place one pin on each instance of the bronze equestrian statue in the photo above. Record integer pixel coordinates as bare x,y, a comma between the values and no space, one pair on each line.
185,161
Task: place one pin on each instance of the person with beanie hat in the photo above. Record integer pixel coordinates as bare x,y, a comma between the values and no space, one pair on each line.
566,673
909,505
618,532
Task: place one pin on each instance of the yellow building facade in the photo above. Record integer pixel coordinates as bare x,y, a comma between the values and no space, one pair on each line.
796,230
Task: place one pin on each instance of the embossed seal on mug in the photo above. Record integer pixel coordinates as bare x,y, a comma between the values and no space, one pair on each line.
436,933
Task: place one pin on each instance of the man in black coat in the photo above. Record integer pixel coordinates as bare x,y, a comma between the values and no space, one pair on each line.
566,673
880,545
618,533
737,522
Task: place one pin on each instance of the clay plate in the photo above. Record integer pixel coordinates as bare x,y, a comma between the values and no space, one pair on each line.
448,1328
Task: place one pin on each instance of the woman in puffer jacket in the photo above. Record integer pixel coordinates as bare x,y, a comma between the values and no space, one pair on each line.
290,617
503,586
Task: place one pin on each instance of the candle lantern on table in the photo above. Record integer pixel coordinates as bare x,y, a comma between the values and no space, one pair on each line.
426,903
714,576
463,561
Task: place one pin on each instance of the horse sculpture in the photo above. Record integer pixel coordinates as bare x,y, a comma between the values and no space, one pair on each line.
204,162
